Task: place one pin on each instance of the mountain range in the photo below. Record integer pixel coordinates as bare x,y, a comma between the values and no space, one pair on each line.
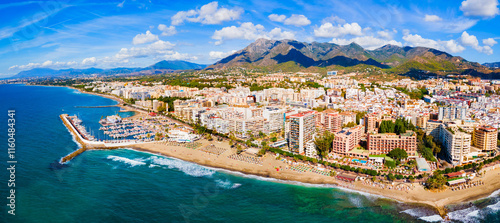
292,55
492,65
160,67
264,52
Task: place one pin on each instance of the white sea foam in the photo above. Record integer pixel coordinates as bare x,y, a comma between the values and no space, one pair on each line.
226,184
494,194
495,207
416,212
432,218
356,201
470,214
186,167
131,162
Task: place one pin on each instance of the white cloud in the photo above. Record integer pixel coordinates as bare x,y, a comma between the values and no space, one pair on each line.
368,42
120,5
167,30
147,37
216,55
159,47
480,8
91,61
297,20
384,34
207,14
328,30
471,40
432,18
452,46
277,18
46,64
489,42
157,50
417,40
333,19
249,31
178,56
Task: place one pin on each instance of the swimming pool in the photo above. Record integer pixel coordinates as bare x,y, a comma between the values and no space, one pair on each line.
359,161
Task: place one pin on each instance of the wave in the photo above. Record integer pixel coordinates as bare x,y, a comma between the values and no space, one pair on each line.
416,212
226,184
432,218
356,201
494,194
494,207
470,214
186,167
131,162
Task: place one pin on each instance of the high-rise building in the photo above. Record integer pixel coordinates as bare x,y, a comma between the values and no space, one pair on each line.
302,130
452,112
275,117
486,138
333,122
456,142
422,121
433,128
370,122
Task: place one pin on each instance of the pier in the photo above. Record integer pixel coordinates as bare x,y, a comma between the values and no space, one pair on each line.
99,106
89,144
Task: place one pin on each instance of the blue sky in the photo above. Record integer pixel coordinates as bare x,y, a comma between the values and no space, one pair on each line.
83,34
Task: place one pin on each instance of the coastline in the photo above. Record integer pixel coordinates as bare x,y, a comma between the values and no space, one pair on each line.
435,200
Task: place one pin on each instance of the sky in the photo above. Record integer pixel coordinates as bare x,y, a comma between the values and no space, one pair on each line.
138,33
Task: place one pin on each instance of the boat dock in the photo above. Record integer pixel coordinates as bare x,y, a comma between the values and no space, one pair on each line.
84,141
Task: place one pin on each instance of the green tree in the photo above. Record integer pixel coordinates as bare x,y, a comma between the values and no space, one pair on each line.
349,125
436,181
324,143
398,154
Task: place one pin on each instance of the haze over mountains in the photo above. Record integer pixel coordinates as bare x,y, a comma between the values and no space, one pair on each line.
292,53
160,67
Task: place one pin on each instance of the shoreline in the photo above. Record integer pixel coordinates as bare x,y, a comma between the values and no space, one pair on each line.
436,200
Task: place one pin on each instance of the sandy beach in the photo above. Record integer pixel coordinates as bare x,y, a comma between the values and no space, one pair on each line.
437,200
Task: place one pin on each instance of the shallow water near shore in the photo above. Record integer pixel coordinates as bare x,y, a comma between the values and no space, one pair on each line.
130,186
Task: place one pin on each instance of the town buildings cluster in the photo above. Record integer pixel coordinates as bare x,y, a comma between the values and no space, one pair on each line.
457,114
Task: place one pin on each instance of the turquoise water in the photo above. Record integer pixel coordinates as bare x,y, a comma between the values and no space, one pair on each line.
359,161
130,186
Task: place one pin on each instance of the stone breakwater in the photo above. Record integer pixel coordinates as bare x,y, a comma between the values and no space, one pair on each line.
85,144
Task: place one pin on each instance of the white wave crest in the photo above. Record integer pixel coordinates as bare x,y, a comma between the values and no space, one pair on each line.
470,214
416,212
132,162
226,184
188,168
494,194
495,207
432,218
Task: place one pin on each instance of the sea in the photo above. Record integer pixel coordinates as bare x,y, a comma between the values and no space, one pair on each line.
131,186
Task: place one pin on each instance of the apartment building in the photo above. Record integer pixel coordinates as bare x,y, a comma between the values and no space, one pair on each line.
486,138
456,143
370,122
302,131
383,143
347,140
